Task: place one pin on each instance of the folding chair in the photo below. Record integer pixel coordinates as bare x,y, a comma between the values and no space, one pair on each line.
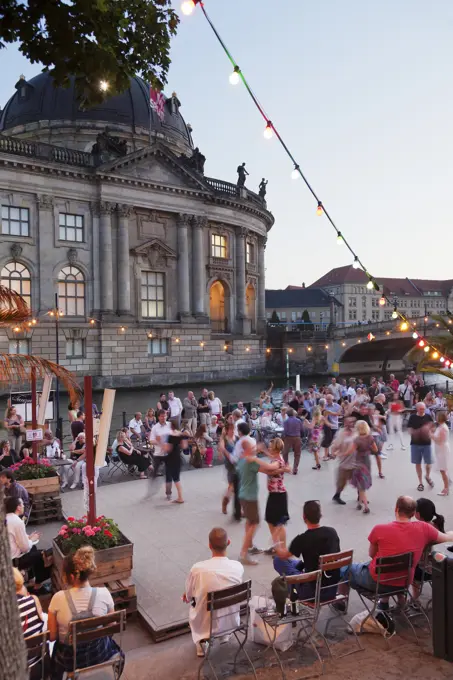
37,653
236,621
423,577
389,570
340,603
306,616
87,630
116,464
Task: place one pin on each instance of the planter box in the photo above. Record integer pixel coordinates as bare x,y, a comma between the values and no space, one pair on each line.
113,564
47,485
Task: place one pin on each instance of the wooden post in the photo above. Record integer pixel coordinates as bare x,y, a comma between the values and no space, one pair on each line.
88,395
104,426
44,399
34,417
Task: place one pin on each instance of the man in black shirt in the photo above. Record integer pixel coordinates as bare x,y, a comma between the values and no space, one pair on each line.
203,407
78,425
419,427
309,546
363,414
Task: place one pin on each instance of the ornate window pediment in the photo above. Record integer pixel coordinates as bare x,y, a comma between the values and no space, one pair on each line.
155,254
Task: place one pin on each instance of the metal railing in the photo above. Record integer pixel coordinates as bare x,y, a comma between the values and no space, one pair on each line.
45,152
219,326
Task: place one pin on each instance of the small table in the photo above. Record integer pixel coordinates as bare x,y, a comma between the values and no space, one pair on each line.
306,617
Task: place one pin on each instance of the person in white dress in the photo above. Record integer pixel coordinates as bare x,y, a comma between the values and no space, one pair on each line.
205,577
441,437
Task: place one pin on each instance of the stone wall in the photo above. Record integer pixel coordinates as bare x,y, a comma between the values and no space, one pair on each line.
117,358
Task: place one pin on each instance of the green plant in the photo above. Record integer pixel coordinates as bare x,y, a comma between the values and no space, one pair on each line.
104,533
28,469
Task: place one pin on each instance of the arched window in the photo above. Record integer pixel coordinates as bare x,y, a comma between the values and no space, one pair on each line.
16,276
71,291
218,307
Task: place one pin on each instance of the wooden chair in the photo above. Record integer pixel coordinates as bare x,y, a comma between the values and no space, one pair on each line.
340,603
388,571
37,653
217,602
88,630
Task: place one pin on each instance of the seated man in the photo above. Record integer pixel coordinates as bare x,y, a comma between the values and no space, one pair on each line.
13,489
310,545
78,454
395,538
215,574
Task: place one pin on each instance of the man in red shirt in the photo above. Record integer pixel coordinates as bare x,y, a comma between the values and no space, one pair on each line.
394,383
395,538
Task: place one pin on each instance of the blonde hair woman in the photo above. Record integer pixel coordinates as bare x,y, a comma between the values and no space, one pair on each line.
440,437
277,514
364,445
66,604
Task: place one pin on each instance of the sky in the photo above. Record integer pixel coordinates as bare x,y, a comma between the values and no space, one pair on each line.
361,91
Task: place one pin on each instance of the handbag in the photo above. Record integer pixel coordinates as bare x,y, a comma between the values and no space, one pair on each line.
261,633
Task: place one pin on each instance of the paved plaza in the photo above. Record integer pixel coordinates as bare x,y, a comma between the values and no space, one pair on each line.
169,538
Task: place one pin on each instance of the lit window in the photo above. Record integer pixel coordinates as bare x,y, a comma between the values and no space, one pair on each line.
299,315
282,316
218,246
15,221
268,315
71,291
293,316
16,276
71,227
75,348
158,346
153,295
250,253
19,346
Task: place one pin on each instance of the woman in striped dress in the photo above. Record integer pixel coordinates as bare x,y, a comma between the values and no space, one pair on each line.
30,611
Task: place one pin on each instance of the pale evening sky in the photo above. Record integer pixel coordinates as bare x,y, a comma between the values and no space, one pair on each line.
362,94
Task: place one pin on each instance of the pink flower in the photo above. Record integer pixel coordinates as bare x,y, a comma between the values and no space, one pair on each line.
96,529
76,531
63,533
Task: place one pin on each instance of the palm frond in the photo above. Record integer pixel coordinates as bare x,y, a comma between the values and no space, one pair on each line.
19,367
13,308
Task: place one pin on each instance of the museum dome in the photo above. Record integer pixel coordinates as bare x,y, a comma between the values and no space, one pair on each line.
38,104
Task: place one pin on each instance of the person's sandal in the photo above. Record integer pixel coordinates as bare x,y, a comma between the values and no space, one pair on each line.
366,510
430,482
420,487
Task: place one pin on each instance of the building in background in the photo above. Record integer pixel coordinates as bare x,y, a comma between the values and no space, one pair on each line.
415,297
159,269
302,306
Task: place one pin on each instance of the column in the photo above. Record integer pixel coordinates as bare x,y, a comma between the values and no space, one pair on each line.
261,279
106,257
95,256
183,266
124,278
43,294
240,273
198,267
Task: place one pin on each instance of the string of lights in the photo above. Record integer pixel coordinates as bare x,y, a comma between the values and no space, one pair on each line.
270,129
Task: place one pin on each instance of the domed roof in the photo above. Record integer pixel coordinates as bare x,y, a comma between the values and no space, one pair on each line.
38,100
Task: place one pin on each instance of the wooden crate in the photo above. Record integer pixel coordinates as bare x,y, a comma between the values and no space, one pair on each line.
112,564
48,485
45,508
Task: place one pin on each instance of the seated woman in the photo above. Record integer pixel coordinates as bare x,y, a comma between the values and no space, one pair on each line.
31,615
6,457
22,546
131,456
425,512
148,421
78,453
67,604
204,444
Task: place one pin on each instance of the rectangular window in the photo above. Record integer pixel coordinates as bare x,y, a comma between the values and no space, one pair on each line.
71,228
352,314
17,346
282,316
158,346
387,315
268,315
75,348
353,302
218,246
375,315
15,221
250,253
363,314
299,316
293,316
374,302
153,295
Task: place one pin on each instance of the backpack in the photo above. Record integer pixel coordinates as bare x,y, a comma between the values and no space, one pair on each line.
79,616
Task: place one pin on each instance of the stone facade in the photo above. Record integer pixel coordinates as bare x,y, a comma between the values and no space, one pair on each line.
151,237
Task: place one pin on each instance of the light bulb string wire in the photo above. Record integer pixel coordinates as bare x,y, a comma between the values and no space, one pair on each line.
297,167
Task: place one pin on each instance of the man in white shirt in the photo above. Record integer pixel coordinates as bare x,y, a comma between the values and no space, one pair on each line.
237,418
136,425
334,387
158,438
351,390
205,577
175,408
